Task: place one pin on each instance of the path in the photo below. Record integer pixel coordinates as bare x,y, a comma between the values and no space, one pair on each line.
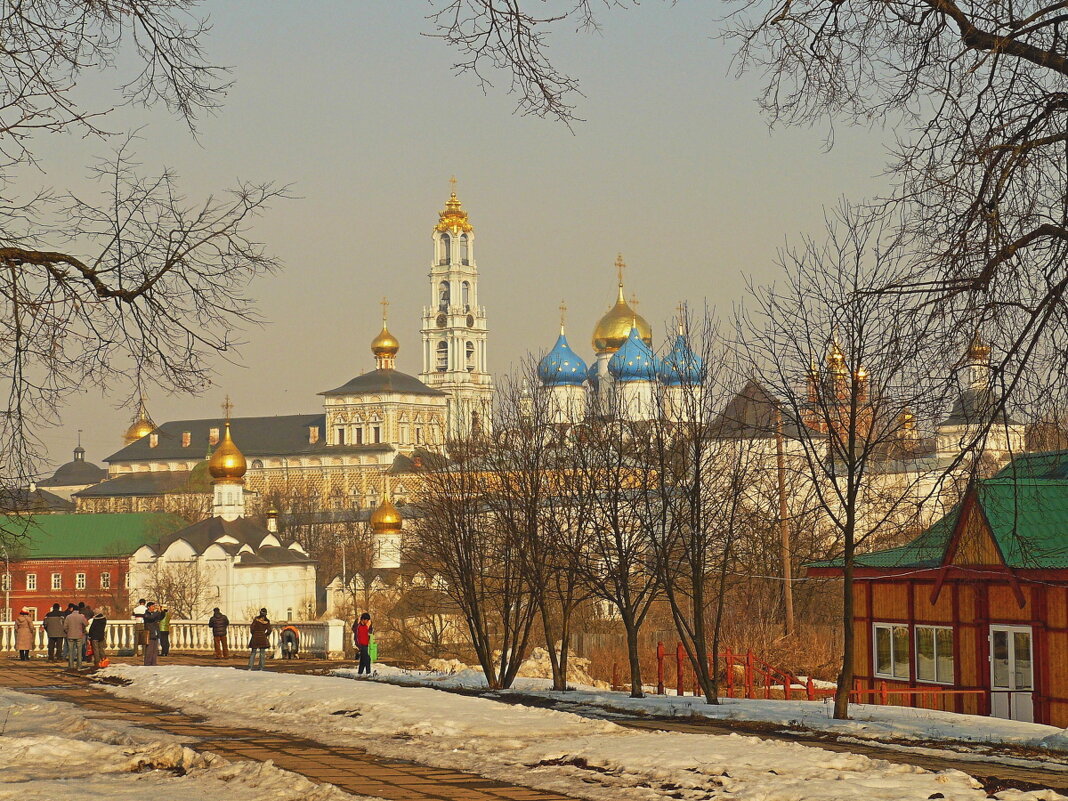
995,776
351,769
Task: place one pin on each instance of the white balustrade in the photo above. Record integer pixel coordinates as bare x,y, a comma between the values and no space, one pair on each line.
320,638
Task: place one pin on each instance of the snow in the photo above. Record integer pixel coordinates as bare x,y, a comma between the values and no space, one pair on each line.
52,750
870,721
547,749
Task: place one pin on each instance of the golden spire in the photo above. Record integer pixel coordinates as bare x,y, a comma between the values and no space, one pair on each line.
835,358
227,465
142,425
681,309
385,345
978,350
614,327
563,312
453,218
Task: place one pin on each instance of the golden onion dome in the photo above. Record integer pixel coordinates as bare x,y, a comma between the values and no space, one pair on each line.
142,425
978,350
613,329
227,463
385,344
385,518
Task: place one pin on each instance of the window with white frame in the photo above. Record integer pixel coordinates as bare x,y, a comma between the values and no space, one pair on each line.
57,581
5,582
105,580
891,651
79,581
31,581
934,654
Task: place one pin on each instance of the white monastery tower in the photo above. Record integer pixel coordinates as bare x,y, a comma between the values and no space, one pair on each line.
454,325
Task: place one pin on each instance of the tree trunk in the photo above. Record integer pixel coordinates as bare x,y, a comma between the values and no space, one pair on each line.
635,664
845,676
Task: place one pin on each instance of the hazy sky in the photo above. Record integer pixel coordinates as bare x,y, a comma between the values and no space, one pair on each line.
674,166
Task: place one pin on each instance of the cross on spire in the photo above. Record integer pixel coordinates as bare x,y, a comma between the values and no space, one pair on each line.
563,312
681,309
385,309
227,407
620,266
452,184
634,300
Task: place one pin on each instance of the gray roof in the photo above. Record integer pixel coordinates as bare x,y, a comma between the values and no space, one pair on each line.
158,482
283,435
247,532
380,381
75,473
975,406
25,500
750,414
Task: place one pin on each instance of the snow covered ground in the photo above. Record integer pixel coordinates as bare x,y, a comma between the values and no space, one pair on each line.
50,750
542,748
870,722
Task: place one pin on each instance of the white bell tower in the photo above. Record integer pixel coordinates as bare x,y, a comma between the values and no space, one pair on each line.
454,324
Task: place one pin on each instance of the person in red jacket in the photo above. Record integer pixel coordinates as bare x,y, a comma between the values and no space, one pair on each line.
363,631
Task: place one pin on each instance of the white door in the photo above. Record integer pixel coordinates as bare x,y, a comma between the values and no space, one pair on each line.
1011,673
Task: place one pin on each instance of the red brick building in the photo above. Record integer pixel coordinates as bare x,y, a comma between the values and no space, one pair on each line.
71,558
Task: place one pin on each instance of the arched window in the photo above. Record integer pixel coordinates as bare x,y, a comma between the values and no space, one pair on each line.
257,464
443,356
444,296
446,249
469,355
463,249
465,294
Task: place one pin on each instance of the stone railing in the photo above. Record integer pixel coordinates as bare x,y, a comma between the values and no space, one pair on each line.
321,638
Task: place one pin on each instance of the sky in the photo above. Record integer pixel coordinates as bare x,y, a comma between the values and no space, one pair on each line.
674,166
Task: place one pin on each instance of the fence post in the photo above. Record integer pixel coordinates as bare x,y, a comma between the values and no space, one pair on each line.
680,671
883,695
786,687
810,689
660,668
748,674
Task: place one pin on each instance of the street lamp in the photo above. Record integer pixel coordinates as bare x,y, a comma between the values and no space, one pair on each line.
7,584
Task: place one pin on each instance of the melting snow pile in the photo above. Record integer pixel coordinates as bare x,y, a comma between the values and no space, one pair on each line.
548,749
535,666
50,750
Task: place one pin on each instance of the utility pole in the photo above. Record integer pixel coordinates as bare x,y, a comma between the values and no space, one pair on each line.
784,524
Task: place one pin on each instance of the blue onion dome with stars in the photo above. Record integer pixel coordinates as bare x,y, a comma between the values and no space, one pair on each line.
592,376
681,366
562,366
634,361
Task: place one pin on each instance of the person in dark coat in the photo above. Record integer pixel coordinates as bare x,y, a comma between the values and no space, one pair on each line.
219,623
53,627
152,617
260,641
97,636
363,631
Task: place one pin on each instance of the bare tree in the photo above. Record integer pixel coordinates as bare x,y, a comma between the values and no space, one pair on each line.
184,588
847,418
139,284
459,538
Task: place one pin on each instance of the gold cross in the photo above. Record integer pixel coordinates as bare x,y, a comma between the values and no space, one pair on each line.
563,310
681,309
620,264
634,300
385,309
452,183
227,408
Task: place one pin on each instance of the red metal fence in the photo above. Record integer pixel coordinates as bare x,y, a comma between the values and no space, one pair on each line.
748,676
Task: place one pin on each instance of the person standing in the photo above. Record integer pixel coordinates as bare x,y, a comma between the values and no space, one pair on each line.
74,632
97,636
219,623
151,618
24,635
165,632
363,631
138,615
53,628
260,641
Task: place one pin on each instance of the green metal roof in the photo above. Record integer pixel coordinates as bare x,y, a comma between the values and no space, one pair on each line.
1026,505
84,535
